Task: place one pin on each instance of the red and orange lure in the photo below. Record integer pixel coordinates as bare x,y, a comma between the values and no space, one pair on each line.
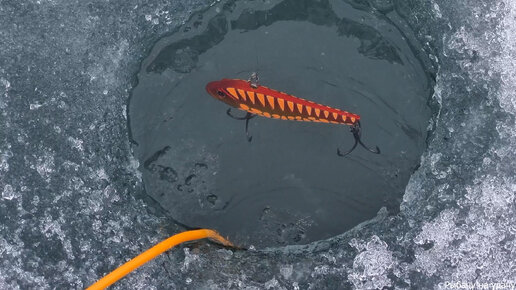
262,101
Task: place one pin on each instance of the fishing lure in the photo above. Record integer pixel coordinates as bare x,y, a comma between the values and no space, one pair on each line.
258,100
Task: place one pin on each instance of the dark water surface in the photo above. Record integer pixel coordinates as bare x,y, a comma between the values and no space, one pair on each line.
287,186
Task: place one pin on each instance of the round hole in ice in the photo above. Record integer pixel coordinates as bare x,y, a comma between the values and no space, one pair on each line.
287,186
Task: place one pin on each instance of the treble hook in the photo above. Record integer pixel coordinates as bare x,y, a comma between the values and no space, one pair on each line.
247,117
355,129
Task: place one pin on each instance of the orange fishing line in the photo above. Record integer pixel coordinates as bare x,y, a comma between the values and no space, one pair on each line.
151,253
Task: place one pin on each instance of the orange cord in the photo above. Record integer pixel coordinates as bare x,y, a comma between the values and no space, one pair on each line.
151,253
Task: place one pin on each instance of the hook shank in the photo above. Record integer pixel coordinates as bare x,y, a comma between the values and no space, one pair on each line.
248,116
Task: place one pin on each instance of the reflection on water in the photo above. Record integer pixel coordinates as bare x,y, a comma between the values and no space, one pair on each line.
183,55
286,186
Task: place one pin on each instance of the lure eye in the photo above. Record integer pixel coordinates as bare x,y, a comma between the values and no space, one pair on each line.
220,93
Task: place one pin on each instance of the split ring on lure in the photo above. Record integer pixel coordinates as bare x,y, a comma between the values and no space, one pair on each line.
262,101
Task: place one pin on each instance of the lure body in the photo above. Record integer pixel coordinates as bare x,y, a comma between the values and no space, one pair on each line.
266,102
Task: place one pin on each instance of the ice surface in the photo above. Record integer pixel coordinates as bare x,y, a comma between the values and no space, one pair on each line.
74,210
68,211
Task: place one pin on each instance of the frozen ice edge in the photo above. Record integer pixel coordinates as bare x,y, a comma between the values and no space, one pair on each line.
445,232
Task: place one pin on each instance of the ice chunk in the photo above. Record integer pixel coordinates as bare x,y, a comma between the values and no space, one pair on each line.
372,265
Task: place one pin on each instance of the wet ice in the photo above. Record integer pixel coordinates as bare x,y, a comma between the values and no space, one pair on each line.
54,46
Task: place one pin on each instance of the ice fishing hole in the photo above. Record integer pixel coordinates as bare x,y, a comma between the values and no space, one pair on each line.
287,186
